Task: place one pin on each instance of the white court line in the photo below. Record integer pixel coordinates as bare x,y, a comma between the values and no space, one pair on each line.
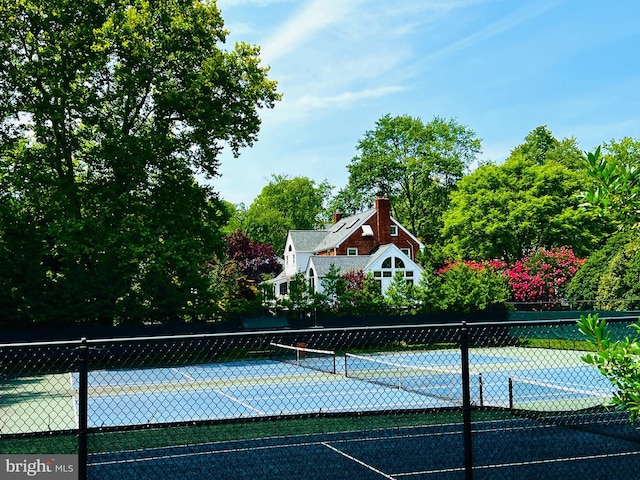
521,464
220,392
154,457
200,454
359,462
563,388
157,457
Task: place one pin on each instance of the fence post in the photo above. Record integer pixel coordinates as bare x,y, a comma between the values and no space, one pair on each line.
466,402
83,393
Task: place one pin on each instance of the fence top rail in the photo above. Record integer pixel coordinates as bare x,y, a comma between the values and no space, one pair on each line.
315,331
44,343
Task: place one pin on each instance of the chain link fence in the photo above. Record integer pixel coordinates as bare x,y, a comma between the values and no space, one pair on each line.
481,400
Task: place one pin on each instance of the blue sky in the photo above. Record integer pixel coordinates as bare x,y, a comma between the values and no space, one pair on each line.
499,67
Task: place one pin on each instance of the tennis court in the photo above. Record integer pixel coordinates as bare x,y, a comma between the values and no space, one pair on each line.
419,452
388,404
307,382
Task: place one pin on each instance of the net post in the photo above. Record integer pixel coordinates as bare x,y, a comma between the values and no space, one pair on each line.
510,393
83,394
466,402
346,369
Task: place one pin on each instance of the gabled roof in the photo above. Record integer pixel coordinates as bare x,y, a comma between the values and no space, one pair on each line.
383,251
307,240
345,263
342,229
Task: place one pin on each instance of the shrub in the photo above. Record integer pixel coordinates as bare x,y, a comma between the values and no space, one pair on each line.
543,276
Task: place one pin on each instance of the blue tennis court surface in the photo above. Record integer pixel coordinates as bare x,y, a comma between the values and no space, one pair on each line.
254,388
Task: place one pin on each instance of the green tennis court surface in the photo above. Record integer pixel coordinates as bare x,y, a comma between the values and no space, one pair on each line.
415,452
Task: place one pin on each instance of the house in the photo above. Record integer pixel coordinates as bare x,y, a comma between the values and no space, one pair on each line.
370,241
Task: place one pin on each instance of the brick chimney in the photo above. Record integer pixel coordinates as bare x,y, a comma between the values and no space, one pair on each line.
336,217
383,220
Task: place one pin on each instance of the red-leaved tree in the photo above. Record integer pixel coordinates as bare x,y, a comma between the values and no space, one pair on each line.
253,259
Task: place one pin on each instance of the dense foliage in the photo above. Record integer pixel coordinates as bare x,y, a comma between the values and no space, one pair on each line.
616,360
466,287
285,204
255,260
527,203
415,164
108,110
541,278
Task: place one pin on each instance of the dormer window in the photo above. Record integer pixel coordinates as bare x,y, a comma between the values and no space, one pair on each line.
394,230
352,251
367,231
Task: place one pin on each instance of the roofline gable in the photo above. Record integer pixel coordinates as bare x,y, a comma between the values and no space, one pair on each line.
346,226
405,230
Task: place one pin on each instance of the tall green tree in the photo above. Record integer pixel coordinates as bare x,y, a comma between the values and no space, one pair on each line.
285,204
415,164
527,203
108,110
615,191
610,275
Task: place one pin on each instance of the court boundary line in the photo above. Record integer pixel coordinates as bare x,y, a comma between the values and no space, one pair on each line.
327,444
221,393
451,430
358,461
521,464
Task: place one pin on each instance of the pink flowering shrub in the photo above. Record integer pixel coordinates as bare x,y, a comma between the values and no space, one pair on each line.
542,276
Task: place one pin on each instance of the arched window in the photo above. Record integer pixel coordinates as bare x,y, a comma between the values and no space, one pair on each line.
391,266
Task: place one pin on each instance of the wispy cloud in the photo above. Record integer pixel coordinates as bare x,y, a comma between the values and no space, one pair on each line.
347,98
504,24
316,16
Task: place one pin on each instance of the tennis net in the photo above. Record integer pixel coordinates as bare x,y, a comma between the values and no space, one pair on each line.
302,356
431,381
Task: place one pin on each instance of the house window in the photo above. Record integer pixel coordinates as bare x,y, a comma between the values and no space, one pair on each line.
352,251
406,251
367,231
392,266
312,281
377,274
283,289
394,230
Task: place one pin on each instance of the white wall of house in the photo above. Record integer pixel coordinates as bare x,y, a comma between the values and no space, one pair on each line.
383,268
294,262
